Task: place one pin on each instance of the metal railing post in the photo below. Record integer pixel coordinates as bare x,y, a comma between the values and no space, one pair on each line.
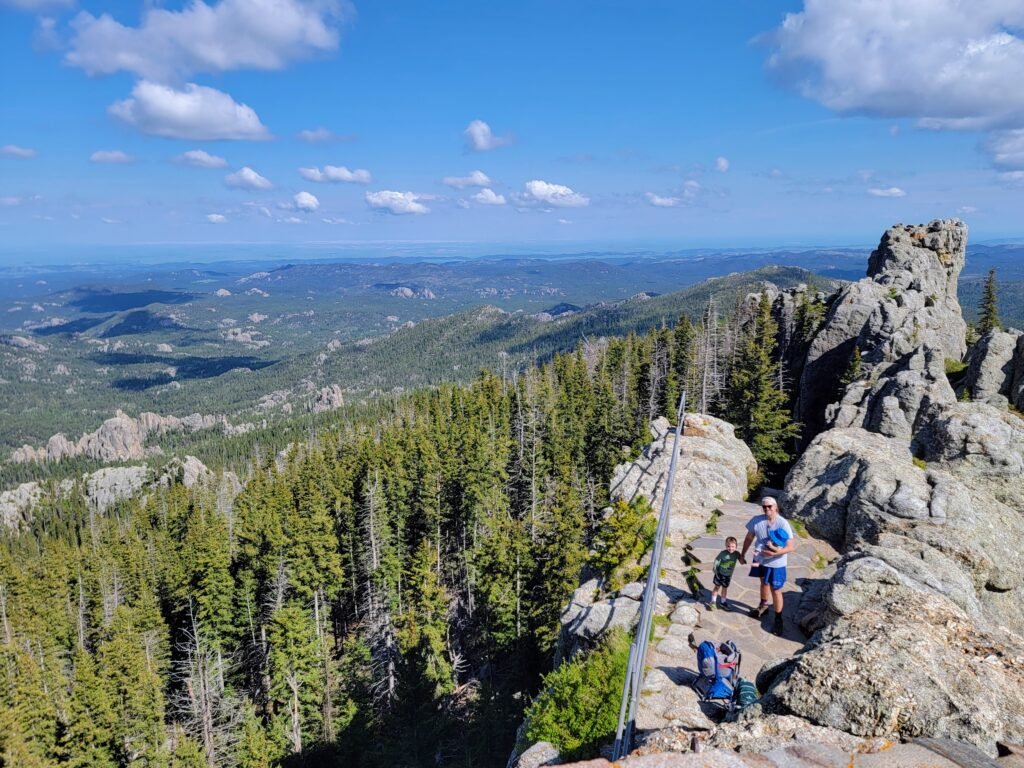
638,649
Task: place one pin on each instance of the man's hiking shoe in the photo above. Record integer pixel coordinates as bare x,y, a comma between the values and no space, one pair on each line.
760,611
777,626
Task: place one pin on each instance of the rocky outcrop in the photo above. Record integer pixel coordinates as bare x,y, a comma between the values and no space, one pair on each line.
17,503
327,399
906,304
22,342
123,438
718,466
991,365
920,630
107,486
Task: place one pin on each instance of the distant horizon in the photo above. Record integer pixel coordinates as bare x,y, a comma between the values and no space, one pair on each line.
186,253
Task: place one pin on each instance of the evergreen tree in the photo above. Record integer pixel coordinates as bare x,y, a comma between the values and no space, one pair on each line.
988,319
755,403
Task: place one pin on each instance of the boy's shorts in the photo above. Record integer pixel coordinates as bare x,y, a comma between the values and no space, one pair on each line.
773,577
722,580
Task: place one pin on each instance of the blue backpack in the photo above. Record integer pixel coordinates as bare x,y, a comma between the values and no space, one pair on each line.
711,682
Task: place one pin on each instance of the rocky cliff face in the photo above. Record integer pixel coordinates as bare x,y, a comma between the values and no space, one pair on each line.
904,317
919,630
123,438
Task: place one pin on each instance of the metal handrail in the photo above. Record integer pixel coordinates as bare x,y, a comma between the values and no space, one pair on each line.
638,648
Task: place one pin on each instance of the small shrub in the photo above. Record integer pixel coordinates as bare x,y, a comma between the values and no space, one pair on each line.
893,292
578,708
955,367
711,526
920,463
801,528
819,562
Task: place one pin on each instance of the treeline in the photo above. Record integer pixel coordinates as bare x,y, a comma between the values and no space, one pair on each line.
387,593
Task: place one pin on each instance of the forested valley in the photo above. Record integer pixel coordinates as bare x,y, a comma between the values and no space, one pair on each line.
386,592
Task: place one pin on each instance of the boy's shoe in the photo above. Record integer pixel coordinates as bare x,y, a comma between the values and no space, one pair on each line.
710,605
760,611
725,606
777,626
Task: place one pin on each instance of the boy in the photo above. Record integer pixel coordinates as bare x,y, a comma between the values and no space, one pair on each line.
724,566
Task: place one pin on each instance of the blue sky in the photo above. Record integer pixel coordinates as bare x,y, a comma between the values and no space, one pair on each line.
578,122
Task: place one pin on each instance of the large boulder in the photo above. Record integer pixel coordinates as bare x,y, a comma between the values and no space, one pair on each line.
923,669
713,465
991,365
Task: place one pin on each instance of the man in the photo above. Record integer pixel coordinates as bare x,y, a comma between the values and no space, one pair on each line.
772,537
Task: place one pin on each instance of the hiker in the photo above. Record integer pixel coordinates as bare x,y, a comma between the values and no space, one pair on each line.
724,566
772,537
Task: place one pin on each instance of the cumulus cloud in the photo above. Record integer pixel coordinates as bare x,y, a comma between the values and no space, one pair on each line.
196,112
480,138
305,201
688,195
966,209
201,159
948,63
111,157
13,150
247,178
398,203
554,195
887,192
721,164
335,173
662,202
216,218
474,179
228,35
489,197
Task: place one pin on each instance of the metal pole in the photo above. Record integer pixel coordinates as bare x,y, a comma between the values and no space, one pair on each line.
638,649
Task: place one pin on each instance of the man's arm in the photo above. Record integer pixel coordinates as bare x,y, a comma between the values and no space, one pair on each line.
746,545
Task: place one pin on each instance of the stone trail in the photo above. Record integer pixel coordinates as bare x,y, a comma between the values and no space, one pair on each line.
671,663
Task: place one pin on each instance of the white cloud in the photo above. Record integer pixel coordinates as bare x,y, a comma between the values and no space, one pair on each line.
305,201
564,221
1006,148
335,173
229,35
555,195
201,159
948,63
12,150
489,197
335,220
216,218
111,156
966,209
319,136
721,164
107,220
474,179
247,178
398,203
291,220
9,201
480,138
1013,177
197,112
662,202
887,192
34,6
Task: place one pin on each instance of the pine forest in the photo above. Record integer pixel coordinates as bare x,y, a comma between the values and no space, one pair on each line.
386,591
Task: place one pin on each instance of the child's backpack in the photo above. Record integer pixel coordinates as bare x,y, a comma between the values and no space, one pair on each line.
713,681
